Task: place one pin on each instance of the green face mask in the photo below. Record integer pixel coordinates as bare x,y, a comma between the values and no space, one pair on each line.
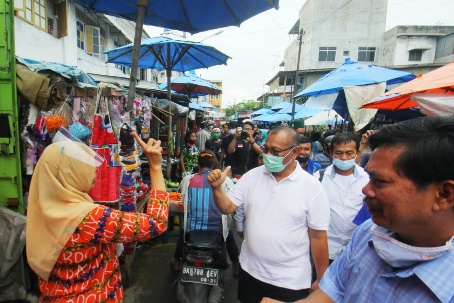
216,136
275,164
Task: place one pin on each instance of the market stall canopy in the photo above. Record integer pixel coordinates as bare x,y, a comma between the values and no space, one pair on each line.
192,16
329,117
277,118
263,117
280,105
351,73
193,86
75,75
433,92
196,106
205,105
287,108
306,112
262,111
176,108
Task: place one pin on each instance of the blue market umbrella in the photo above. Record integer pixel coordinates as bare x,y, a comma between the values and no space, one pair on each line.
263,117
192,16
280,105
277,118
287,108
262,111
193,86
306,112
168,54
186,15
351,73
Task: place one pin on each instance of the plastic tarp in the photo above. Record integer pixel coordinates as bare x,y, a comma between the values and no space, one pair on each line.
325,102
263,117
72,73
288,108
439,81
435,104
351,73
306,112
277,118
262,111
12,243
176,108
356,96
329,117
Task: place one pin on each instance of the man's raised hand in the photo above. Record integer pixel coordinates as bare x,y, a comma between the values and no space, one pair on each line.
217,177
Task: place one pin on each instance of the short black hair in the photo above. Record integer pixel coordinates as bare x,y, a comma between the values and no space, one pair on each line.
188,134
315,136
292,135
249,123
232,124
304,139
345,138
207,159
429,148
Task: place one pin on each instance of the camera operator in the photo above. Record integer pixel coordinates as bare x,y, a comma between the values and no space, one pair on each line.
244,149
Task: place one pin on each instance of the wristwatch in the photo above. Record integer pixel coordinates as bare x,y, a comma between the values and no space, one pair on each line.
253,142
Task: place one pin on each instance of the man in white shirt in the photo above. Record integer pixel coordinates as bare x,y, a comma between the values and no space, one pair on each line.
343,182
287,214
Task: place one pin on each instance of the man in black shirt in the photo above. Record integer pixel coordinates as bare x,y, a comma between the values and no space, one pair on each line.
214,143
244,150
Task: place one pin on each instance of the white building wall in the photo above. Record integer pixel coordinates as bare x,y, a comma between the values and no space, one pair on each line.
346,25
33,43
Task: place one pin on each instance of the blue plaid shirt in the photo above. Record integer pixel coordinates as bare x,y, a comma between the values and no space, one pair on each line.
359,275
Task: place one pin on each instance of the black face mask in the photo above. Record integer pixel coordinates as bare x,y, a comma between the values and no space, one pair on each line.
301,160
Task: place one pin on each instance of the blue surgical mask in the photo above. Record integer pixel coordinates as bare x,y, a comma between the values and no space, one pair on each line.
401,255
344,164
275,164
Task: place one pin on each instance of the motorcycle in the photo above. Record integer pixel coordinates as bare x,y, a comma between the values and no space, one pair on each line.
202,272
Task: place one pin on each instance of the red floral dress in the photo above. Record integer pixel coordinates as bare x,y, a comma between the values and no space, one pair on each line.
88,269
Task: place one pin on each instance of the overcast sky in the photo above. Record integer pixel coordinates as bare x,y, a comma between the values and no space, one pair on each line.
257,46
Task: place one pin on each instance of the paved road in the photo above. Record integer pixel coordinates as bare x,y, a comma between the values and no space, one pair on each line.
153,281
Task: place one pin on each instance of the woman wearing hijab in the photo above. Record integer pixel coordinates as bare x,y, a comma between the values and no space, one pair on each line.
70,240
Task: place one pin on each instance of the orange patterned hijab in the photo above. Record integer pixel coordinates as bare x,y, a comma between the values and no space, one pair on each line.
58,201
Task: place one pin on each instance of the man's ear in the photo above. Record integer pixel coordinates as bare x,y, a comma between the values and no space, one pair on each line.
296,151
444,195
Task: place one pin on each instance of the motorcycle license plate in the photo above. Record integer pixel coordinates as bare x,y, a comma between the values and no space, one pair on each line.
201,275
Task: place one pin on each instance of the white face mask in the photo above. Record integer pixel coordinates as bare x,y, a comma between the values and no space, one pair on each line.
401,255
232,131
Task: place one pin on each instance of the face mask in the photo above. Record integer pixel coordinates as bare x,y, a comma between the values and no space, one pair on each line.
216,136
401,255
274,164
232,131
302,160
344,164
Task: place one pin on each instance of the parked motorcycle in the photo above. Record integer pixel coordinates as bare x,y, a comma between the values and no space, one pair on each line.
204,263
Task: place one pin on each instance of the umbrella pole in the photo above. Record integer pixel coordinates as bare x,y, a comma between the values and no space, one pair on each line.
141,8
169,120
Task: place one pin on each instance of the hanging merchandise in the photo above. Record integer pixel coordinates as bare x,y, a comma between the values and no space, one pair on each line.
61,116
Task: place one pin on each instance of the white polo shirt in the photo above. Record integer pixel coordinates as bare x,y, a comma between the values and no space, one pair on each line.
276,246
345,200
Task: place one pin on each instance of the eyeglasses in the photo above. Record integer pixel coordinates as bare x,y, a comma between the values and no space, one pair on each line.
247,128
274,152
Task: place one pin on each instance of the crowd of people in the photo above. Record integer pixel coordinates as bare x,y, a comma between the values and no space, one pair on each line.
331,217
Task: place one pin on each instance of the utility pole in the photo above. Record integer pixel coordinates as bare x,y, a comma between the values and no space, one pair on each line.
295,90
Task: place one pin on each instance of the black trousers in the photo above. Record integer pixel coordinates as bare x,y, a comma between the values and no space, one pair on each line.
251,290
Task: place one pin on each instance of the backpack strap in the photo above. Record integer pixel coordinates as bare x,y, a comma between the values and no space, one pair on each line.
322,173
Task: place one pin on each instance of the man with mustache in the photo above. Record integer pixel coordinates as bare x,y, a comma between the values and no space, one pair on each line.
405,253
